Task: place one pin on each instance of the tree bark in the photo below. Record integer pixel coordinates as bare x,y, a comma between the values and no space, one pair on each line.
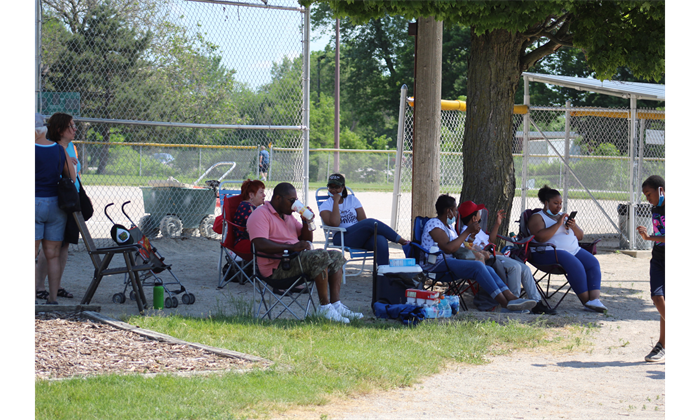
493,75
426,119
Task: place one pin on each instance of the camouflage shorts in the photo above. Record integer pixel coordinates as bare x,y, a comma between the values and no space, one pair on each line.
311,262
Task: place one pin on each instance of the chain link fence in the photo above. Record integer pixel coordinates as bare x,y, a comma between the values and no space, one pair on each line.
168,94
606,167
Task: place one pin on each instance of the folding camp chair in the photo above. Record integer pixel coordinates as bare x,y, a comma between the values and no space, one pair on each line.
102,263
289,293
235,259
350,254
451,280
525,244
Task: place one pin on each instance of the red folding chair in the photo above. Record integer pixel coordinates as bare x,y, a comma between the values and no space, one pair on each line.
235,258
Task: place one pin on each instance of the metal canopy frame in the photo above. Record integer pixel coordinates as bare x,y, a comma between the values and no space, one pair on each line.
629,90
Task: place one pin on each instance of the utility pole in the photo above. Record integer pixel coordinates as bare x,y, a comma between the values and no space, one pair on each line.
426,140
336,160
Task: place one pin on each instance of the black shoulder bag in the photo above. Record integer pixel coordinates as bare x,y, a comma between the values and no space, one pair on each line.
85,202
68,199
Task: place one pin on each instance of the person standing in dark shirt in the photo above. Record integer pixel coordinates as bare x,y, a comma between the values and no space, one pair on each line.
654,190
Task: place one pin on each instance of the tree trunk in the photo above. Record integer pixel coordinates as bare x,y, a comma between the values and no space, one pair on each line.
493,76
426,119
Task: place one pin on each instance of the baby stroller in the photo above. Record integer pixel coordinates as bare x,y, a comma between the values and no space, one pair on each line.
147,254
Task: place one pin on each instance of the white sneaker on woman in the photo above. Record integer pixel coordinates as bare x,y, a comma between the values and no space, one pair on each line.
595,305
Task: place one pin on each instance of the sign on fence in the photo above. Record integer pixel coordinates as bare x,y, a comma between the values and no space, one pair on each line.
67,102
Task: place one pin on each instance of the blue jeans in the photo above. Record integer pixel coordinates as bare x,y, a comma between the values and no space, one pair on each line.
582,269
470,269
361,235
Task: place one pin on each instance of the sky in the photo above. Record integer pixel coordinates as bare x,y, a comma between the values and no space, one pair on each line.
250,39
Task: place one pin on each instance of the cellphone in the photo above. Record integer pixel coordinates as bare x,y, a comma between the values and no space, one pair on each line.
572,215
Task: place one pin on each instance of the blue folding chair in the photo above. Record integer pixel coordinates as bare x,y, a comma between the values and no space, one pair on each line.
454,284
350,254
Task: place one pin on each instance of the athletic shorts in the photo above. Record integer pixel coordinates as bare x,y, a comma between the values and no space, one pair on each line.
657,276
49,220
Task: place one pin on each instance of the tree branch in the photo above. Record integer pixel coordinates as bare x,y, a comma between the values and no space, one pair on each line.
561,25
529,59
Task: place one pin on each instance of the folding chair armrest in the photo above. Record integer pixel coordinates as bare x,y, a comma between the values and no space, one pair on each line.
416,245
114,249
545,244
522,241
425,251
334,228
274,257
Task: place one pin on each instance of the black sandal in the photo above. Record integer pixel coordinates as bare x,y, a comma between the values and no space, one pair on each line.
42,294
63,293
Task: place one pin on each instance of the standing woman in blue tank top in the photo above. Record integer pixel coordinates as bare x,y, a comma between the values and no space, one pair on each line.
49,220
62,130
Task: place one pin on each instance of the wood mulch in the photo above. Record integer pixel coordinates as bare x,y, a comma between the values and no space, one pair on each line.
72,345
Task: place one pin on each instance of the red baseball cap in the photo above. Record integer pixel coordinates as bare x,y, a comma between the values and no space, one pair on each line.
468,207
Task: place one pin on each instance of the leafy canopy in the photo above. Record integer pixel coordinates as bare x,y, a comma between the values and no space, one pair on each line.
612,33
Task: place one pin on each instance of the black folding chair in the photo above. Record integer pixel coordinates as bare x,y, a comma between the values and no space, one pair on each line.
524,245
287,292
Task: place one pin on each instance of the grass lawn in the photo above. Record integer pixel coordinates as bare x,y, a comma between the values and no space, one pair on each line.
313,360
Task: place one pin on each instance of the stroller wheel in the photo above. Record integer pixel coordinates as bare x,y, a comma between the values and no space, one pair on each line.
188,298
132,295
171,302
118,298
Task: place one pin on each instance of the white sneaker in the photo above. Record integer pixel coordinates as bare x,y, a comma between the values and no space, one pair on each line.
329,312
346,312
596,305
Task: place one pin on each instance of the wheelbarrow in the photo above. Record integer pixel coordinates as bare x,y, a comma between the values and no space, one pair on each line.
172,209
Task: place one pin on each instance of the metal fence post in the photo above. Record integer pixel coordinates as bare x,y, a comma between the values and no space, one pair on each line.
632,209
398,162
526,138
567,132
306,91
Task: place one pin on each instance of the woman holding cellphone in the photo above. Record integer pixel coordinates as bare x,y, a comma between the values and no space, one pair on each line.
582,268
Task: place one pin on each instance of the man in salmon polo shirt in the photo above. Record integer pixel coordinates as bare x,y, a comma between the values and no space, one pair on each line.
273,229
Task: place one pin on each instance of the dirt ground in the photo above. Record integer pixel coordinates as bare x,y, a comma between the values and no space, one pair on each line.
602,379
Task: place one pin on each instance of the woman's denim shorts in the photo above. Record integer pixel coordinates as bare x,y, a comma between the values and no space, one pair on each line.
49,220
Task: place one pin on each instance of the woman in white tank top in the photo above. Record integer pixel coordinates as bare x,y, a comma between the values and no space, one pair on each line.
582,268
